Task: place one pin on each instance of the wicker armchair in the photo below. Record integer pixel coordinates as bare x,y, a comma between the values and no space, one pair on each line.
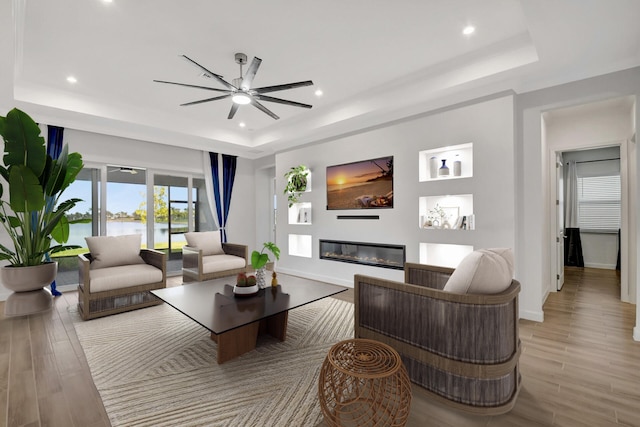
462,348
199,267
118,288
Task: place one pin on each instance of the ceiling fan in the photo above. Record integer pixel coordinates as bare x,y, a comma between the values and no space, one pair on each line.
240,90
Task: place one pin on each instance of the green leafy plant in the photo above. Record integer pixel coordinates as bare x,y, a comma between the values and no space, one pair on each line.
34,215
260,259
296,183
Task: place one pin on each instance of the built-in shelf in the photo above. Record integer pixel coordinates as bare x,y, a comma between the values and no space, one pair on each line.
300,213
451,212
443,255
430,162
300,245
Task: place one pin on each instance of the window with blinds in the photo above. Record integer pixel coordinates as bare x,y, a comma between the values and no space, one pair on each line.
599,203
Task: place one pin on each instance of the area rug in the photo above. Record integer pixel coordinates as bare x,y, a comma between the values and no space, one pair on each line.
156,367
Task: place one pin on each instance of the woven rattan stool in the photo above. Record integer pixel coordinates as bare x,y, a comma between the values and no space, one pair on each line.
364,383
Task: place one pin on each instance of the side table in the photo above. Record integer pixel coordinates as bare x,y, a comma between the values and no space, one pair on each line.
363,382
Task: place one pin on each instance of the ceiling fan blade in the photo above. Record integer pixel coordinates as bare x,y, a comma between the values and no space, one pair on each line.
196,86
211,74
232,112
206,100
281,101
286,86
263,108
251,73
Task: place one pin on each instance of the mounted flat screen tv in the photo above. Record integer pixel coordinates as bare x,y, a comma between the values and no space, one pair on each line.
367,184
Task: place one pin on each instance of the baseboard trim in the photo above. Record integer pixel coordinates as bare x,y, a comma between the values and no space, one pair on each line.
601,266
535,316
320,278
636,333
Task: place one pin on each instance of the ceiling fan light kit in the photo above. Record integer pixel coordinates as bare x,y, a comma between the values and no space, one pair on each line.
241,98
240,90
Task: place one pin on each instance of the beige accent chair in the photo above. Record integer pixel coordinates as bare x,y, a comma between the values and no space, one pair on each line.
463,348
205,257
116,276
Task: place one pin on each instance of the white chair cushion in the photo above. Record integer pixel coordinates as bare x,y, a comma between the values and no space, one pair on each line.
485,271
110,251
125,276
215,263
208,241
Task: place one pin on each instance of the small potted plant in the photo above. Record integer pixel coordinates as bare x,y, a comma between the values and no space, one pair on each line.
296,183
260,259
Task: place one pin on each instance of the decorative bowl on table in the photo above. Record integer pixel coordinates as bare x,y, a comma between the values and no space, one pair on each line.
245,286
245,291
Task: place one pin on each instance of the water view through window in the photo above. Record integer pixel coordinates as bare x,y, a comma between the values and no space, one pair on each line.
126,213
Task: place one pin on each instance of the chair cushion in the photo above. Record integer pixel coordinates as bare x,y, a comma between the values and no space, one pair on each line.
208,241
125,276
485,271
216,263
110,251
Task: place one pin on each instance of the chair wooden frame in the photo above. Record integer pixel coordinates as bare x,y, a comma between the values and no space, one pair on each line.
462,348
98,304
192,265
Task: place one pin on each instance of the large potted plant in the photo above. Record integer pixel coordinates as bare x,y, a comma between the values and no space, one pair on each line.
34,216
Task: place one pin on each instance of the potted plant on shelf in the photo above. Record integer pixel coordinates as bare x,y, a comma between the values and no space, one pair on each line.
296,183
34,216
260,259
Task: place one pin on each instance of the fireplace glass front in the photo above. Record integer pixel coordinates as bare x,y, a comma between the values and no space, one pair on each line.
374,254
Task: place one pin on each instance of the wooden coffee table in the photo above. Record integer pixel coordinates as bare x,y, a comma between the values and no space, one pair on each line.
235,322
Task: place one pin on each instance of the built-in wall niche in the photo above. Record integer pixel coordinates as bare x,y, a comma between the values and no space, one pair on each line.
300,213
452,212
300,245
443,255
455,161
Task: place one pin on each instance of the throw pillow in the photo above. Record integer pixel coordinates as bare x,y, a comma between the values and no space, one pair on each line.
485,271
110,251
208,241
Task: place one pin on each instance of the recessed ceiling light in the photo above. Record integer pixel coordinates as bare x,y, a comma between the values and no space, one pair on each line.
107,1
72,79
318,92
468,30
241,124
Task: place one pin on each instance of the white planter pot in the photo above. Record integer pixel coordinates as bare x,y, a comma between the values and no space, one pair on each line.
24,279
27,284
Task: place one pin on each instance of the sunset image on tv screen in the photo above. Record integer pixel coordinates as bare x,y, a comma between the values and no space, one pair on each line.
367,184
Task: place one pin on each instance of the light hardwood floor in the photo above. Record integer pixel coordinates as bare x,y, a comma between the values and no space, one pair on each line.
579,368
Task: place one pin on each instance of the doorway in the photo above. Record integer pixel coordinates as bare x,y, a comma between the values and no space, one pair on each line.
601,205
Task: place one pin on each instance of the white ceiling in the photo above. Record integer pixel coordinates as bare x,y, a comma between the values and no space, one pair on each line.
376,61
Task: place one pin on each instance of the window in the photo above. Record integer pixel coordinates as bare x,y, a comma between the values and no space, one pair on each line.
599,196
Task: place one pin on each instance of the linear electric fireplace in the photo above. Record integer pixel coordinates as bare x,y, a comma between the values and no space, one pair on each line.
375,254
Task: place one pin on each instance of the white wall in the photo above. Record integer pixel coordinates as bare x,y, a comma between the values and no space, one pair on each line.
109,149
488,125
264,220
533,183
